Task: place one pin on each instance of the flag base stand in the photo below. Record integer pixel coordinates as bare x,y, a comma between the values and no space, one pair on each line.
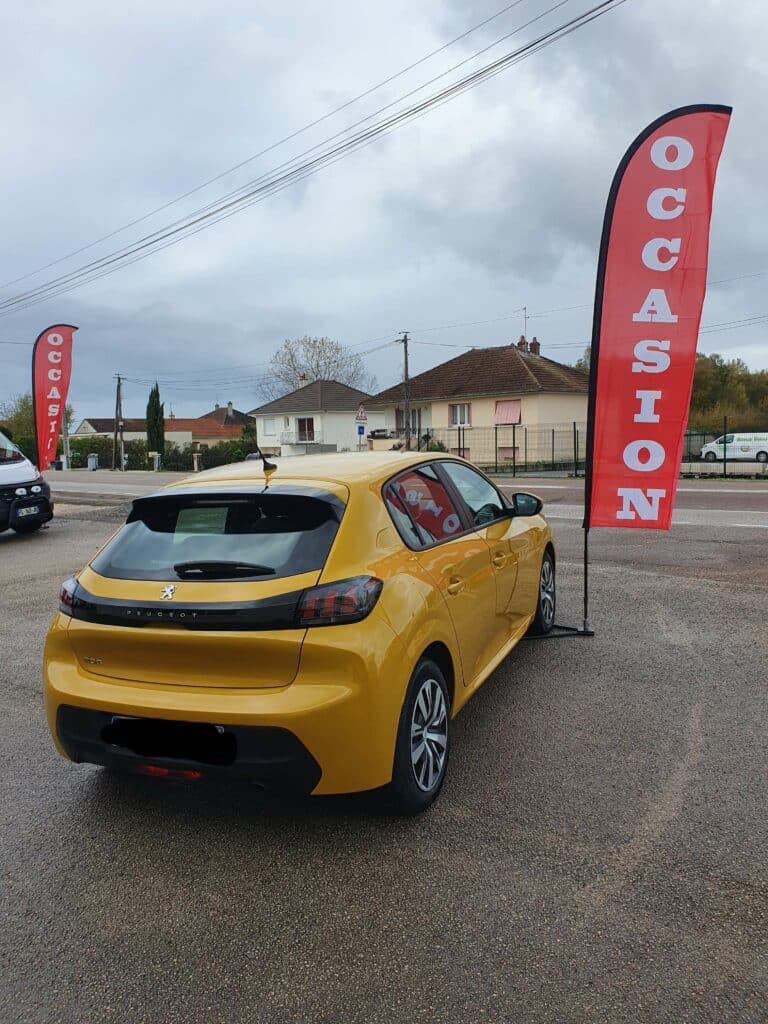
568,632
563,633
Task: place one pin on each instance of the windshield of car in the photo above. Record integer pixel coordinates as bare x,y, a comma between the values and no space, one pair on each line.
9,452
264,535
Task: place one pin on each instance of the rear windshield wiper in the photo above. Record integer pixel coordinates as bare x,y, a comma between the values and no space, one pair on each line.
221,570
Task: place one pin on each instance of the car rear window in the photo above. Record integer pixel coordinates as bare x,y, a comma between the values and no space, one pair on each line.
206,537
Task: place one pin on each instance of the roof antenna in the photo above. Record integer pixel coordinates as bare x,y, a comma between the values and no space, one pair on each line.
269,467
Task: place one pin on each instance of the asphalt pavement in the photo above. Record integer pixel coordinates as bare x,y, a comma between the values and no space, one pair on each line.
599,851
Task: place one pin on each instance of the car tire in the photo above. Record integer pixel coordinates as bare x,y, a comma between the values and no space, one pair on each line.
27,528
423,742
762,456
710,457
546,605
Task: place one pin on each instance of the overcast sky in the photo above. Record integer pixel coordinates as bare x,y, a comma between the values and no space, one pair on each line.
491,202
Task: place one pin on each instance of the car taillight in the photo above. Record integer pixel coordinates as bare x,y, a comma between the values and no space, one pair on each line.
335,603
67,595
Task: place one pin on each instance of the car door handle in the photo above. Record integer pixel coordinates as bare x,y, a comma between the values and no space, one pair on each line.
454,585
499,560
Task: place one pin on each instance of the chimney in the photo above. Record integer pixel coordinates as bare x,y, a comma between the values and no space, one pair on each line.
229,410
522,344
303,380
535,348
216,406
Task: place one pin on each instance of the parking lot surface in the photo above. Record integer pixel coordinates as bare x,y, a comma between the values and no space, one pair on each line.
599,851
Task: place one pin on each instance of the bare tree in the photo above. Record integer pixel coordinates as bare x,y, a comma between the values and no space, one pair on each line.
305,360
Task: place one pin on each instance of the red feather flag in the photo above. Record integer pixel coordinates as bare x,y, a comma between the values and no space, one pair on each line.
51,371
651,282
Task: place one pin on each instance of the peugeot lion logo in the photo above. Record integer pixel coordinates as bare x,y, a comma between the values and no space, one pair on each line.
168,592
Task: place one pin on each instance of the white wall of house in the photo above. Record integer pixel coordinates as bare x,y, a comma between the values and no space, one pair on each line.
339,428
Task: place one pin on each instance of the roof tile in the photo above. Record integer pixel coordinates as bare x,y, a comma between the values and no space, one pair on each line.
201,427
501,370
320,396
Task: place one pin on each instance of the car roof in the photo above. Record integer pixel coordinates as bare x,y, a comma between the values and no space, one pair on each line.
346,468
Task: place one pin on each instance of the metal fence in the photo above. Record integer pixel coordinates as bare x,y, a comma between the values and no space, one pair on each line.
546,448
515,450
518,449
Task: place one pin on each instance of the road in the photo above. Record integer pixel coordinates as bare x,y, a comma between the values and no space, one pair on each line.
599,852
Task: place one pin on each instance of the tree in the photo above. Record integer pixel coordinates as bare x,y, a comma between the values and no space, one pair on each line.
727,388
17,416
582,363
249,437
155,422
314,359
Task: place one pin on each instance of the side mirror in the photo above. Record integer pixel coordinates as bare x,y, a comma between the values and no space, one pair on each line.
526,504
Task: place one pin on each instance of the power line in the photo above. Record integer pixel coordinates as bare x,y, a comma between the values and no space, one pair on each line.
222,210
276,145
213,208
730,325
182,383
742,277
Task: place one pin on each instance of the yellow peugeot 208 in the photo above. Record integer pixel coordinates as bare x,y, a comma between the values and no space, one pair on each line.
314,628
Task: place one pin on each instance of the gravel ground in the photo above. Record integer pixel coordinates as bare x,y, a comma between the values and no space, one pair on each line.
599,851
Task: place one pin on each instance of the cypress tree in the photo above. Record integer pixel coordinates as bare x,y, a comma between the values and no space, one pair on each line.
155,422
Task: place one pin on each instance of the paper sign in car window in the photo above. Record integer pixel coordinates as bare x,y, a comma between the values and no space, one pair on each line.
429,504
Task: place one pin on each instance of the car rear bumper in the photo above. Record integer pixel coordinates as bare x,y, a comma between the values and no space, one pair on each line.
272,757
341,711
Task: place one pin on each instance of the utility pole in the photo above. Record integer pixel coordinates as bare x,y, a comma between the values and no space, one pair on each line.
406,392
65,439
525,322
120,423
118,404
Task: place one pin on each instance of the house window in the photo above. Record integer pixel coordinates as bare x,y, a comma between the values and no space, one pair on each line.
415,420
458,415
306,428
269,426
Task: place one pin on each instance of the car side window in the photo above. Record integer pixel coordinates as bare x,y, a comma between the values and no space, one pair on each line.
421,507
483,500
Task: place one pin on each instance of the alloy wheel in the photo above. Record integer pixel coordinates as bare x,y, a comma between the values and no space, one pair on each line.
547,593
429,735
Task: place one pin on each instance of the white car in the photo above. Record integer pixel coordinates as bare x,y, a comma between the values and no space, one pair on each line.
25,497
751,447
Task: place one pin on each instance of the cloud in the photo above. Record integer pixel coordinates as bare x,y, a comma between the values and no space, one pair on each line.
489,203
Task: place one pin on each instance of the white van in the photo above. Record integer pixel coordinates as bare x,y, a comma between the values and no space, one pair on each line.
25,498
751,447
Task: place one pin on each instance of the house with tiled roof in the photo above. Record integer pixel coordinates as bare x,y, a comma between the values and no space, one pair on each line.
227,415
483,393
485,387
203,432
321,416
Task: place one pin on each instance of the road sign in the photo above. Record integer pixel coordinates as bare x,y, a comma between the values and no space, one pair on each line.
360,415
360,429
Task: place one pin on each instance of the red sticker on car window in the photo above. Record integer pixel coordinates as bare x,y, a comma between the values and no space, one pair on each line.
428,504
